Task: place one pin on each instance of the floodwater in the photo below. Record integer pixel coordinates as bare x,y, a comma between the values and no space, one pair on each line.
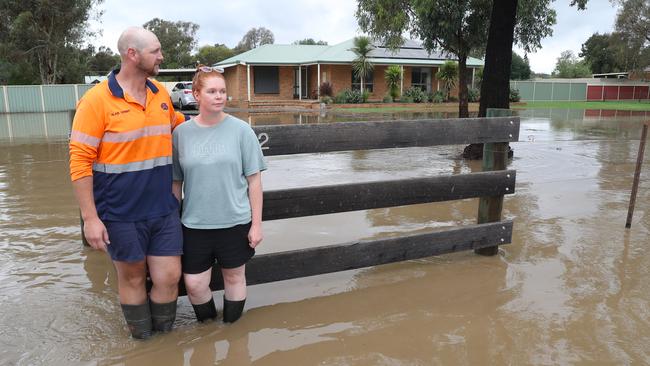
572,288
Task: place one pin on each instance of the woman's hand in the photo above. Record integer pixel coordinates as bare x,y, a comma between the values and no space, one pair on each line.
255,235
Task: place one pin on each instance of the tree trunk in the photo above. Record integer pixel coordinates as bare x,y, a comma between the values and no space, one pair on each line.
495,87
462,87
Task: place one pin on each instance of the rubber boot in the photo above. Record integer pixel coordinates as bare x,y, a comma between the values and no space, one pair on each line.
138,318
163,316
232,310
205,311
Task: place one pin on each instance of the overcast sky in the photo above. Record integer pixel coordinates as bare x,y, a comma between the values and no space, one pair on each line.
332,21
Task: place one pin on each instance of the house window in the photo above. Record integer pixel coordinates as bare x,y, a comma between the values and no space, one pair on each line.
367,82
267,80
421,78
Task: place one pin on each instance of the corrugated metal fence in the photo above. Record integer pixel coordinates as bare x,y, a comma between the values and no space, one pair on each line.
581,90
550,91
40,98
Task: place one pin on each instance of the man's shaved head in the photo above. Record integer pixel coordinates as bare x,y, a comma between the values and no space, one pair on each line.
137,38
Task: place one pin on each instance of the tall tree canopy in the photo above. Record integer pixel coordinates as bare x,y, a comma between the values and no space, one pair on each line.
254,38
569,66
39,38
103,61
209,55
310,41
632,36
457,27
520,68
178,40
603,53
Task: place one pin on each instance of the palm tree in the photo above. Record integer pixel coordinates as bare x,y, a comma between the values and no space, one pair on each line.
448,74
393,75
361,65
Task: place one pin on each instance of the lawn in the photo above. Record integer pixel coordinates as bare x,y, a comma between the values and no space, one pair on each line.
610,105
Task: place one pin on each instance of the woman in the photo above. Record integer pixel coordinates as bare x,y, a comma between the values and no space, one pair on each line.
217,168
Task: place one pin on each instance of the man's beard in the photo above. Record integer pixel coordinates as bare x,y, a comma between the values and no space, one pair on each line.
150,72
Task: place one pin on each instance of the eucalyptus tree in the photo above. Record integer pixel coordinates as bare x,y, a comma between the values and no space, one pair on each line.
254,38
177,39
453,26
361,65
38,38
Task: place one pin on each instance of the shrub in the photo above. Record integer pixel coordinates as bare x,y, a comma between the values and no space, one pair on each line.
452,99
406,99
364,96
438,97
325,89
326,99
416,94
514,95
473,95
351,96
387,99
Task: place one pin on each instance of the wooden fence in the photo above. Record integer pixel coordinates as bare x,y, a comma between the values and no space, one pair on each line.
490,186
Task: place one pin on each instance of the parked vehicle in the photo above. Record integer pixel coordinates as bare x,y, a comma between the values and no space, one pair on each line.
182,96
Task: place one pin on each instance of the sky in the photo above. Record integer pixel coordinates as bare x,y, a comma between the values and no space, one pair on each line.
332,21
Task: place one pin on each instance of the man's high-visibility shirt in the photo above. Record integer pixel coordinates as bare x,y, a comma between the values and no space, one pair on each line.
127,149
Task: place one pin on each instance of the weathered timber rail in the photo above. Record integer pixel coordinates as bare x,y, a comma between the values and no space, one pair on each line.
490,186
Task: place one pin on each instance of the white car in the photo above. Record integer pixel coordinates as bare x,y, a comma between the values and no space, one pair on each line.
182,96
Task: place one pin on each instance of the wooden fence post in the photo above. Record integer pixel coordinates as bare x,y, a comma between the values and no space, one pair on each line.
495,156
637,174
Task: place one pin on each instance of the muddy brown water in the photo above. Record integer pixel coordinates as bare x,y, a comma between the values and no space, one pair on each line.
572,288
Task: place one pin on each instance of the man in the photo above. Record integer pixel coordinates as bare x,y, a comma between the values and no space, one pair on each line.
121,170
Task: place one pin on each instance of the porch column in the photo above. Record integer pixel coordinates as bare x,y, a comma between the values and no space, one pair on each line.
473,70
248,81
318,86
401,80
299,82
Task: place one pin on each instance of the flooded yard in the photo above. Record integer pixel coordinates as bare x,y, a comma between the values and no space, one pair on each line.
572,287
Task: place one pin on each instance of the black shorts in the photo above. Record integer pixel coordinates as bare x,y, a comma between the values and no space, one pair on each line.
229,247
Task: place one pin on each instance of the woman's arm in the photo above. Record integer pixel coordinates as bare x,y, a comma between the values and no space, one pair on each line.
255,196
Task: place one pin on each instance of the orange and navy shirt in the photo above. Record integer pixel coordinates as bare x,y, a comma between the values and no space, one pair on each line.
127,149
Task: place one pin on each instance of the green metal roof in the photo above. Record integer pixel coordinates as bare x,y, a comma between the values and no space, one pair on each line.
280,54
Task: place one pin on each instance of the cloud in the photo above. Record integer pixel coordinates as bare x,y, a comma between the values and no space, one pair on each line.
227,21
573,28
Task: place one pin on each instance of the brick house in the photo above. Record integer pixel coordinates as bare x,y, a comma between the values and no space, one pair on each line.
287,72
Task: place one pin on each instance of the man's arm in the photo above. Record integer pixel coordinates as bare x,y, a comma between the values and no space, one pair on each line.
94,229
177,188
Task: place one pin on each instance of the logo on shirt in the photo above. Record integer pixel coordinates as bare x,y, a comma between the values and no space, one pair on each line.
164,106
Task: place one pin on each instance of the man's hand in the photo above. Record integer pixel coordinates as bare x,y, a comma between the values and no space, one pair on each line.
96,234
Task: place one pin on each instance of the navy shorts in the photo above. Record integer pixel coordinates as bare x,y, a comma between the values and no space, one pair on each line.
133,241
202,247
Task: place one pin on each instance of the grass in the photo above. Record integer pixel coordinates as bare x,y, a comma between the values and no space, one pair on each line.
610,105
380,109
